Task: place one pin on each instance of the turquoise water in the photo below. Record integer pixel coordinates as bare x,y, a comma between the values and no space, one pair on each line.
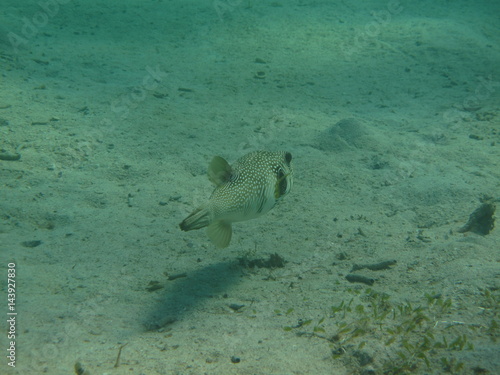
383,257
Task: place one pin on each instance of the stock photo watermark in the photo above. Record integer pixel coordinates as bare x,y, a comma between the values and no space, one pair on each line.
31,26
463,110
43,353
122,106
11,314
363,37
223,7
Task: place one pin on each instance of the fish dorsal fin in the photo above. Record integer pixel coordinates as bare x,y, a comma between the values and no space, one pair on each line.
219,171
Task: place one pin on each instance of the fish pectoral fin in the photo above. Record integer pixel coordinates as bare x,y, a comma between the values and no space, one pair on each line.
219,171
220,233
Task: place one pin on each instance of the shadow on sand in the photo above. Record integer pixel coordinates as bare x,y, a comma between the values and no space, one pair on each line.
186,293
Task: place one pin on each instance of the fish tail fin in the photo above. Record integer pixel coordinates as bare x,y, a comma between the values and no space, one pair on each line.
198,219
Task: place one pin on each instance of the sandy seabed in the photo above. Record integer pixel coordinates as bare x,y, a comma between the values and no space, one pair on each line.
109,116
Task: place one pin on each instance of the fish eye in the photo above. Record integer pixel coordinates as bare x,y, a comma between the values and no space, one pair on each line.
288,158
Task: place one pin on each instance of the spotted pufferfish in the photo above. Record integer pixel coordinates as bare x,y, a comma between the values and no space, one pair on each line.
244,191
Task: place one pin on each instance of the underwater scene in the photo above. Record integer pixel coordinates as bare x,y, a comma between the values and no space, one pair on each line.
249,187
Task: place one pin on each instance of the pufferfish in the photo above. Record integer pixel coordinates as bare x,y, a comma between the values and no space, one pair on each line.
244,191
